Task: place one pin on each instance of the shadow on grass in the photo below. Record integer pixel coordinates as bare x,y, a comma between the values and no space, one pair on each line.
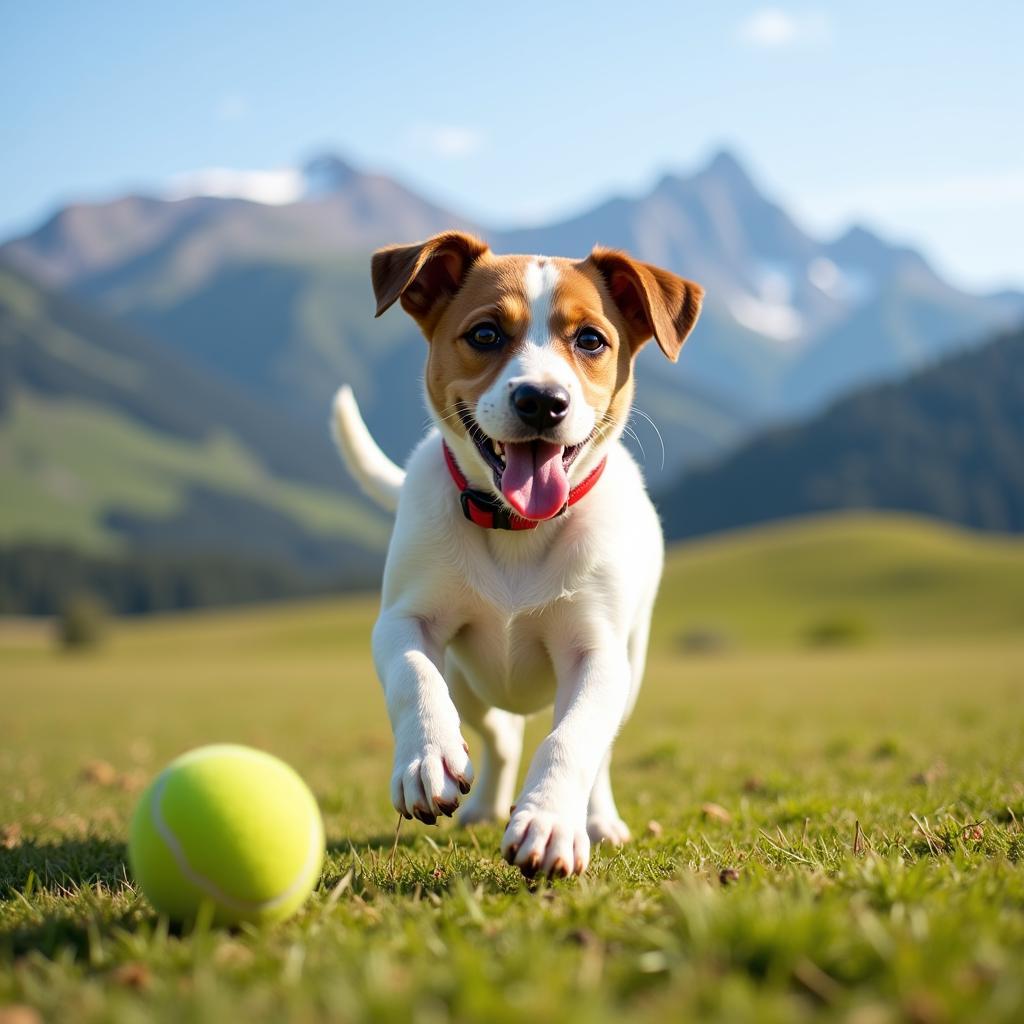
64,895
70,872
62,867
381,864
412,832
376,844
71,864
70,927
423,860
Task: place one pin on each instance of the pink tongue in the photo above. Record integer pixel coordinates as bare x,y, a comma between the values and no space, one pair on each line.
534,482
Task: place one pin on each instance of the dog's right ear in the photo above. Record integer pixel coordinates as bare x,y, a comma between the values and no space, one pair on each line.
654,302
423,275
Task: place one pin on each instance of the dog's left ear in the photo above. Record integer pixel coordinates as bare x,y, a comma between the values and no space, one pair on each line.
424,274
654,302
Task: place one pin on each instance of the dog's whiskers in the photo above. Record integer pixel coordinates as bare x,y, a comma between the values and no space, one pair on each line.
657,432
602,429
451,412
450,415
605,428
636,437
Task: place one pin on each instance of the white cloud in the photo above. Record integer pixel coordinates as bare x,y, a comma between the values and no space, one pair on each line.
448,141
772,28
274,188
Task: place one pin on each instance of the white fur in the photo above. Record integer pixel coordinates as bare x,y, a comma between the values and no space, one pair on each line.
536,362
540,278
375,473
484,627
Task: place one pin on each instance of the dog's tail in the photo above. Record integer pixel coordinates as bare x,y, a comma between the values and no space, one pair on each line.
375,473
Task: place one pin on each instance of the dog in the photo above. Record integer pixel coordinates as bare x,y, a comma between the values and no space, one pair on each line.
526,554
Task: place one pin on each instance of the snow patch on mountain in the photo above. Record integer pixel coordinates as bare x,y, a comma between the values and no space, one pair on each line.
843,284
768,307
319,177
272,188
778,321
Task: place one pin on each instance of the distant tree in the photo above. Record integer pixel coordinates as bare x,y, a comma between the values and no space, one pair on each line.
836,631
82,622
40,579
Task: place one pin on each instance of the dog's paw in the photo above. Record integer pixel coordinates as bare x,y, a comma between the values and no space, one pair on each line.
542,842
607,828
430,780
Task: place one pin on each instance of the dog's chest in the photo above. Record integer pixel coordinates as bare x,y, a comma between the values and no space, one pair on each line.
505,659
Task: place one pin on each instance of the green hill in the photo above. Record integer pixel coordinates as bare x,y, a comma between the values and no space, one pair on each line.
946,442
873,577
111,443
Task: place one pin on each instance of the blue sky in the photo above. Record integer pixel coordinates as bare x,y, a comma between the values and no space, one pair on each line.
907,116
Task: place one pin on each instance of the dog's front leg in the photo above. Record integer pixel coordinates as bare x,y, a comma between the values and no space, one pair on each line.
548,830
432,766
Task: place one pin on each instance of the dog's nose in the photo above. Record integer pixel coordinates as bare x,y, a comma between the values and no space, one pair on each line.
540,408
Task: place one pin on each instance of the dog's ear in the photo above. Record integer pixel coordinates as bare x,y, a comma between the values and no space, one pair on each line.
654,302
422,275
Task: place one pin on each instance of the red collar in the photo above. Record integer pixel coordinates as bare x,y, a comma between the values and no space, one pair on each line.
487,511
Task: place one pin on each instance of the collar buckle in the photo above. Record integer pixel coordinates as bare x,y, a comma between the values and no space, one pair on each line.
501,518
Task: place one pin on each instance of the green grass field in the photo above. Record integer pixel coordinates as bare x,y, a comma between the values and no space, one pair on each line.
803,679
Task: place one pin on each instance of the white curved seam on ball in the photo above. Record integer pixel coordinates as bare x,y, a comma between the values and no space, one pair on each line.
210,888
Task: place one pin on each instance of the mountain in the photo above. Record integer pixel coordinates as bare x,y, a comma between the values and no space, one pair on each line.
273,295
947,442
789,320
113,443
139,249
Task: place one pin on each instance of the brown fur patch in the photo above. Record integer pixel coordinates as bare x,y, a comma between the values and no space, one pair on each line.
495,289
654,302
452,283
581,299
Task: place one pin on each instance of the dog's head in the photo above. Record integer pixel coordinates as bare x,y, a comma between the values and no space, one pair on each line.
530,369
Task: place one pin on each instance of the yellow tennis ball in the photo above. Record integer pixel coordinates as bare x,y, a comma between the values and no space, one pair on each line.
229,826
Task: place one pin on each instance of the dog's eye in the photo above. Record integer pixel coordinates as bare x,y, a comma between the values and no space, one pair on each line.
484,335
590,340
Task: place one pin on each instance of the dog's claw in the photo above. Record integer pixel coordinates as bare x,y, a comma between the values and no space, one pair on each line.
429,782
542,842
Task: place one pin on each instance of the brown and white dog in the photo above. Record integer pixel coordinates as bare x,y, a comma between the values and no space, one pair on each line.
526,554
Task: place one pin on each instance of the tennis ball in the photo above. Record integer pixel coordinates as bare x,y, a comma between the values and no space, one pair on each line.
229,826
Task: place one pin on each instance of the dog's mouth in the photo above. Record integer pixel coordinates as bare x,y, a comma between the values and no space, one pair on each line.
532,476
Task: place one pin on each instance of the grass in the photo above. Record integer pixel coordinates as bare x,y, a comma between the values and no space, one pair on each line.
822,832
